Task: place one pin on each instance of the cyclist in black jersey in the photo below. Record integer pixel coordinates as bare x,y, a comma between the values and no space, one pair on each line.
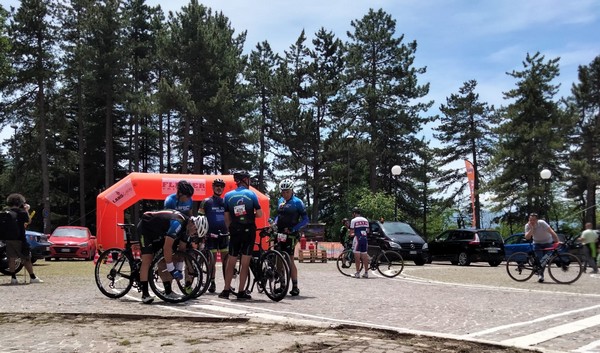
217,239
160,229
291,217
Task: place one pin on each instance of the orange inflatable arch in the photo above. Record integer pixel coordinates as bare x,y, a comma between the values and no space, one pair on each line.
112,202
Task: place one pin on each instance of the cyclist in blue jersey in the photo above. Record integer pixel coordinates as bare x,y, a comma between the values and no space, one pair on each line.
241,210
359,230
182,200
217,239
291,217
159,230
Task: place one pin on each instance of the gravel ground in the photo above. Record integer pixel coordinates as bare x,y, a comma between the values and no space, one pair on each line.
58,316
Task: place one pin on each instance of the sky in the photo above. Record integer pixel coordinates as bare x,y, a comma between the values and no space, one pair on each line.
458,40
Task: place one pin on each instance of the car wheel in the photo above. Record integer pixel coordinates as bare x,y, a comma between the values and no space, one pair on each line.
33,260
463,259
48,259
419,262
495,263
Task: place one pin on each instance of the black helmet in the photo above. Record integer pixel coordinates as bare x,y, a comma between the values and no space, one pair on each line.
240,175
356,210
219,182
185,188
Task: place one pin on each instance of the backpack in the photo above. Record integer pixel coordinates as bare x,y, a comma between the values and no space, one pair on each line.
9,230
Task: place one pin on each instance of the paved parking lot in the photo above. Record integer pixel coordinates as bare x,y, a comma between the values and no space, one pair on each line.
424,309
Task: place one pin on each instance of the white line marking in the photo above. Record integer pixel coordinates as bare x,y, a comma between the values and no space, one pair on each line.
553,332
588,348
540,319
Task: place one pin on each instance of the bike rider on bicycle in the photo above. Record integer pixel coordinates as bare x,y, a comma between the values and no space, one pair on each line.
291,217
160,229
217,239
543,237
359,230
182,200
241,210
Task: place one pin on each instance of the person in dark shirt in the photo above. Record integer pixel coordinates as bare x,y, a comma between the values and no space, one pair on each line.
17,246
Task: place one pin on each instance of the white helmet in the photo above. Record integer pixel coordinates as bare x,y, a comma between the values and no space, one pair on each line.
201,223
286,184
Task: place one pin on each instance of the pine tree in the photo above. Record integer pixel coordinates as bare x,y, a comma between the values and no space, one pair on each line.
465,133
531,131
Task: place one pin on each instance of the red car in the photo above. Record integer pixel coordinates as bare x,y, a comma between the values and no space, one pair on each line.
70,242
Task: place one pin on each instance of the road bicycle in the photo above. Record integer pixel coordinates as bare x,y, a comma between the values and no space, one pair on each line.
269,271
117,271
563,267
387,262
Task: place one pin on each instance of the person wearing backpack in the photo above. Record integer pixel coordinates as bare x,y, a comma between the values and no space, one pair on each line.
14,236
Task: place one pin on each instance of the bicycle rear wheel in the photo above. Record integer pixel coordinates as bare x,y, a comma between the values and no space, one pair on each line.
564,268
345,263
520,266
390,263
114,273
181,290
275,274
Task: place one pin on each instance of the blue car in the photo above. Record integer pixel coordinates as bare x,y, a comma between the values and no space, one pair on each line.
39,244
517,243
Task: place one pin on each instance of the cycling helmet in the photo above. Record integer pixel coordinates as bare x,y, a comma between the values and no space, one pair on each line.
286,184
201,223
356,210
219,182
185,188
240,175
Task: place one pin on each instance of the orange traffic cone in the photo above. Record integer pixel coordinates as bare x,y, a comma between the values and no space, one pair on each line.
96,257
218,256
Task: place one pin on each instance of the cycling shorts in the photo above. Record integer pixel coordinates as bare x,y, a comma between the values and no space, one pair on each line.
360,244
289,244
241,239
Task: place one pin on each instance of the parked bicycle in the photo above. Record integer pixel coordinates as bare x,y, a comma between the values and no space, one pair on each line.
563,267
269,271
117,271
387,262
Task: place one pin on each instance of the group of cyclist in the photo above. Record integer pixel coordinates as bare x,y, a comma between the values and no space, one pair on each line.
227,225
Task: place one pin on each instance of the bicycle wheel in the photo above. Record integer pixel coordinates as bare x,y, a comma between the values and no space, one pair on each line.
520,266
4,265
114,273
275,275
564,268
389,263
345,263
181,290
204,269
210,261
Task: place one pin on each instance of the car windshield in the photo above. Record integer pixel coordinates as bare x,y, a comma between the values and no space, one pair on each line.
70,232
398,228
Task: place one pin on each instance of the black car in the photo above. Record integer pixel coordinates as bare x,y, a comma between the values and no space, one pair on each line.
463,246
400,237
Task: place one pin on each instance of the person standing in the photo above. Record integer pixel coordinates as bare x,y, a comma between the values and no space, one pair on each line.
217,239
17,246
359,230
543,237
241,210
291,217
589,238
344,237
182,200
